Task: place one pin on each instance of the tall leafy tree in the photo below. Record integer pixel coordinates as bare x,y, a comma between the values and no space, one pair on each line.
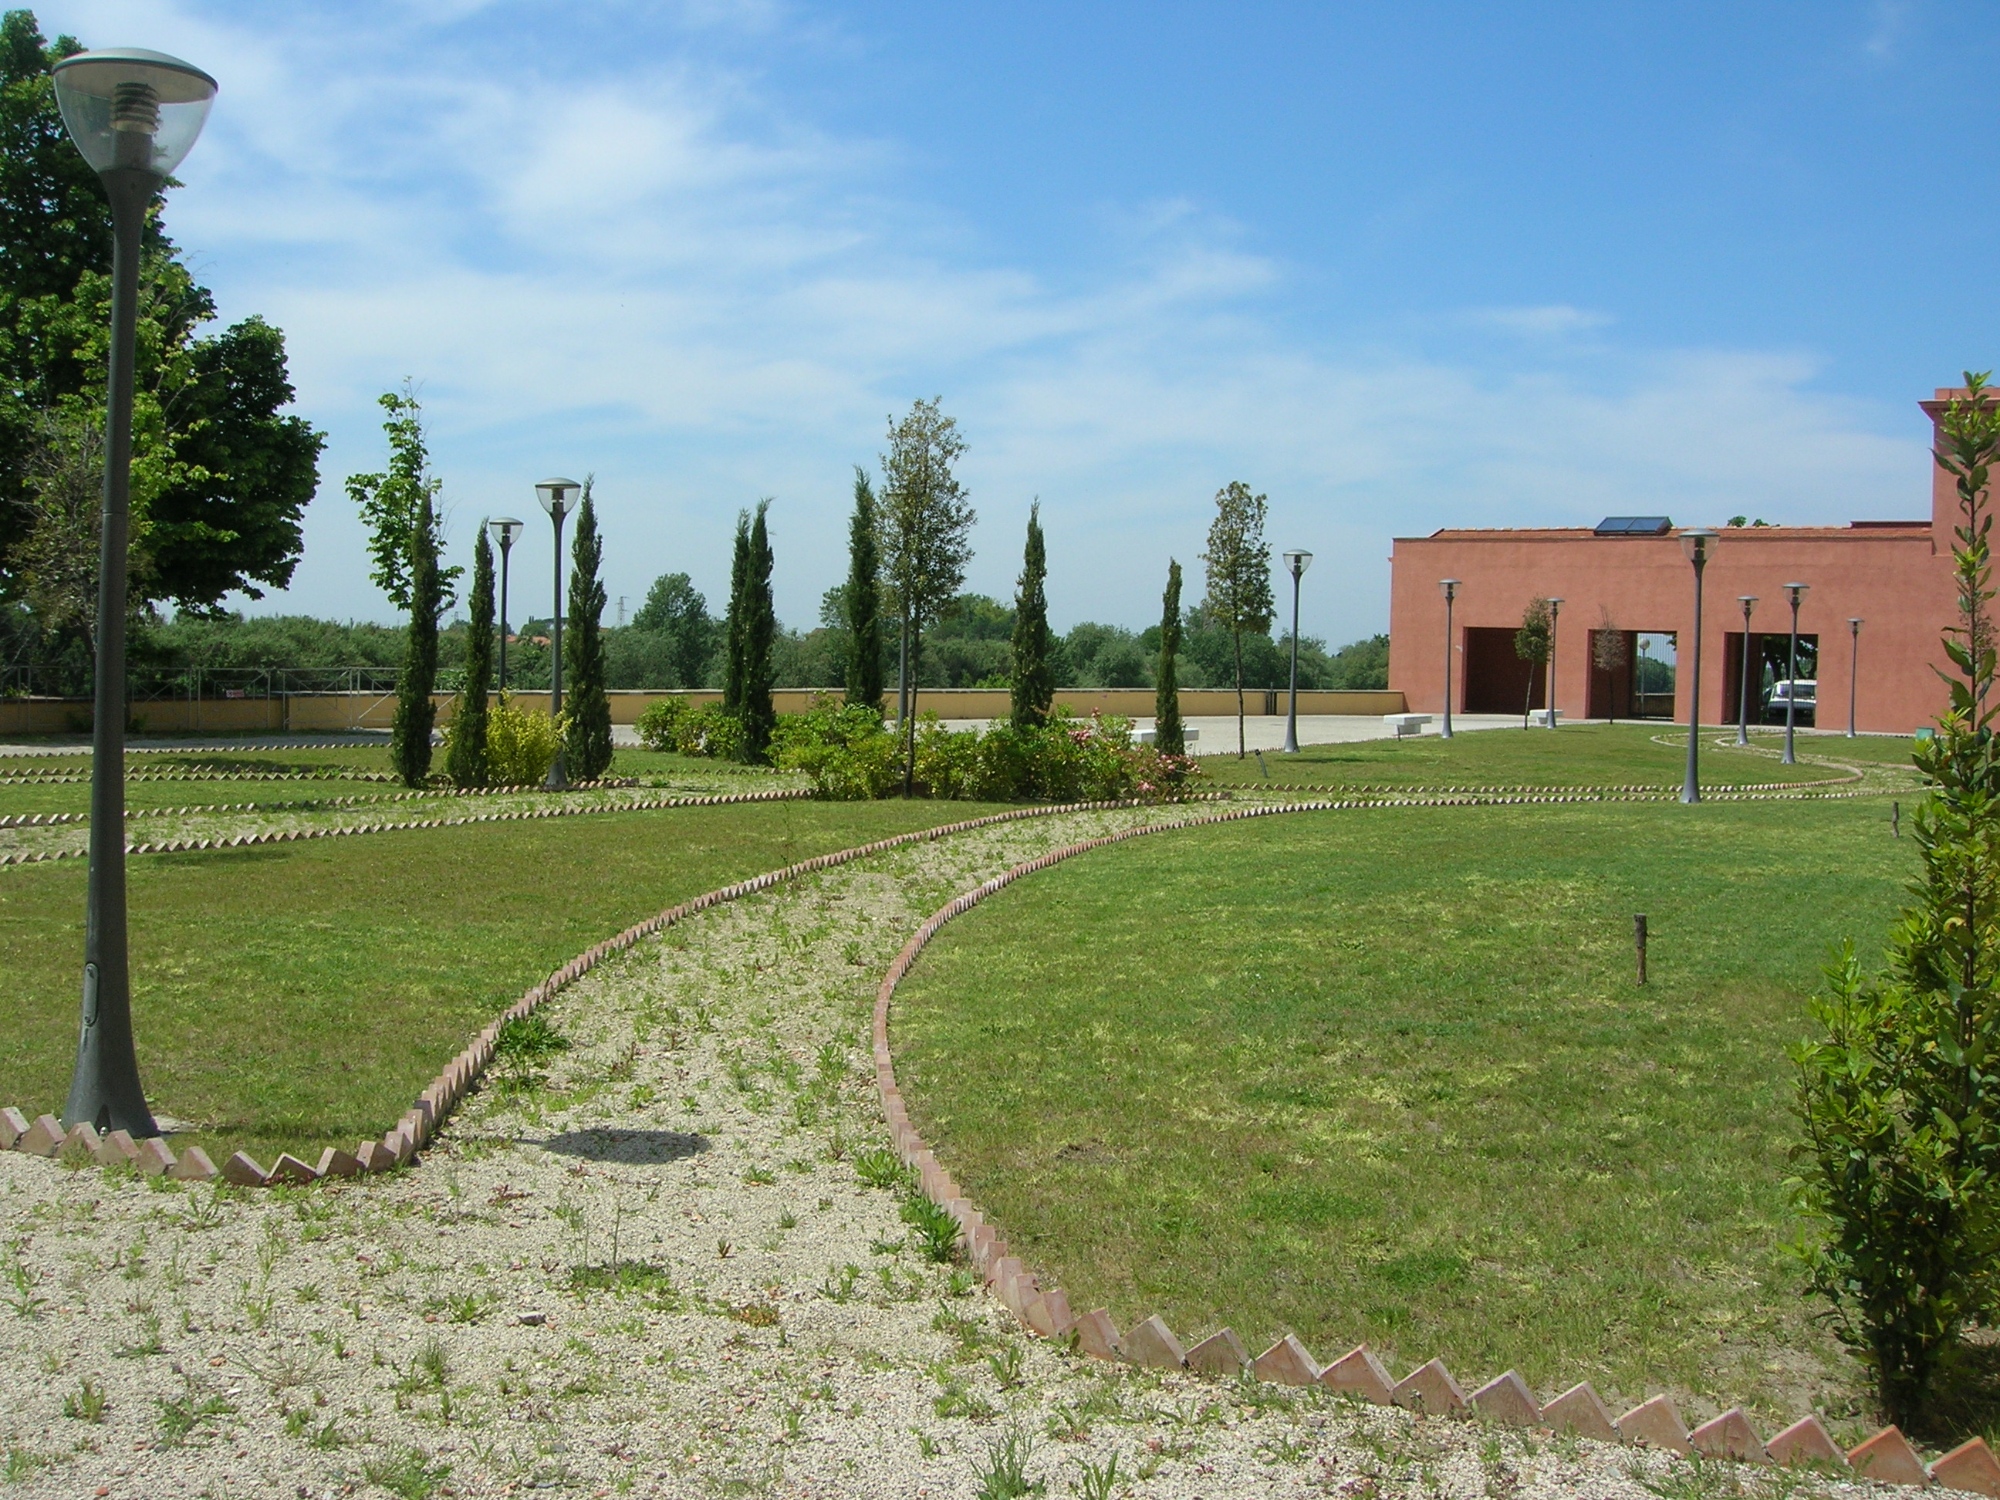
734,624
1898,1091
1238,561
674,608
862,604
760,629
926,530
416,714
1169,734
1032,681
466,764
587,752
399,505
220,477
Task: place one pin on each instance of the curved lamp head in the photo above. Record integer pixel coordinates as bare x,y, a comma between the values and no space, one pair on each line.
1296,563
1555,606
1746,600
127,107
1698,543
1854,623
1449,587
1797,592
506,528
558,496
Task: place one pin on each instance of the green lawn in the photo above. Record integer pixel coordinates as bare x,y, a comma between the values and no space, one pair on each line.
298,996
1386,1075
1582,754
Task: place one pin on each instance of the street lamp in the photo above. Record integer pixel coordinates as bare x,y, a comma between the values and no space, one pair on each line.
1853,670
134,115
1698,542
555,495
506,528
1450,588
1796,591
1749,602
1296,564
1555,613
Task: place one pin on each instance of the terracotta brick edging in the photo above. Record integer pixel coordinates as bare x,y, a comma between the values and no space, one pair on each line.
45,1135
1044,1310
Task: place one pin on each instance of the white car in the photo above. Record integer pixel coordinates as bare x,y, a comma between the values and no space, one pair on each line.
1802,694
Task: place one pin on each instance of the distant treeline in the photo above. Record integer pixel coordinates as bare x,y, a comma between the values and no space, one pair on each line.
674,642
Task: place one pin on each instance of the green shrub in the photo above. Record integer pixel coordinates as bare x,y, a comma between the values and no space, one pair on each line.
687,729
520,744
842,747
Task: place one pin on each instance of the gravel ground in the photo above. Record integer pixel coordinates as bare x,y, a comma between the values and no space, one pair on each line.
657,1266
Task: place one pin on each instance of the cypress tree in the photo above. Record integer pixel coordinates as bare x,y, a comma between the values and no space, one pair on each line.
410,742
864,600
1033,684
732,630
1169,736
587,750
760,629
467,765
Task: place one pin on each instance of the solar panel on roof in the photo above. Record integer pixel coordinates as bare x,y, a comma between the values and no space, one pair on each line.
1634,526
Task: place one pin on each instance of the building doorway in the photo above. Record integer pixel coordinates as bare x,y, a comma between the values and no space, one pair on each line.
1631,674
1496,680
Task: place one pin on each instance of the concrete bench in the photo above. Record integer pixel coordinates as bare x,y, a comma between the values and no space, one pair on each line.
1188,737
1404,724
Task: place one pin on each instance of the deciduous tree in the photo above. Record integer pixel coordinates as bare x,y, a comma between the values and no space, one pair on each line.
1531,644
1238,561
926,526
675,609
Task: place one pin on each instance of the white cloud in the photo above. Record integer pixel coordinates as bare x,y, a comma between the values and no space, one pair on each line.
649,268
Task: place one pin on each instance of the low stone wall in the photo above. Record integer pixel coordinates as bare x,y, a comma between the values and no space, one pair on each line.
316,713
1044,1310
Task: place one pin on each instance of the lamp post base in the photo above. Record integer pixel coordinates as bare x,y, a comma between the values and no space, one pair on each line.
558,780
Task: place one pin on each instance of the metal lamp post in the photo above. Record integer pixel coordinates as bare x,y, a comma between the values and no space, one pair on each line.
1555,614
1698,543
506,528
1450,589
1749,602
1296,564
1796,592
556,496
1853,669
134,115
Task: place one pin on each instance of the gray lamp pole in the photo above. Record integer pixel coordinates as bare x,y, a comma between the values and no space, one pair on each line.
1853,670
133,114
1796,591
1698,543
1296,564
1749,602
506,528
555,495
1450,588
1555,614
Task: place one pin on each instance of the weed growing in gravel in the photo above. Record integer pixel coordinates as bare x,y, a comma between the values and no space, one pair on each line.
760,1177
1003,1473
22,1464
87,1404
839,1283
24,1301
429,1369
179,1418
936,1229
409,1475
628,1278
955,1400
524,1044
149,1342
879,1168
204,1211
1096,1481
1005,1363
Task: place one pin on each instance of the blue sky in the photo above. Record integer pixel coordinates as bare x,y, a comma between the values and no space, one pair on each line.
1398,266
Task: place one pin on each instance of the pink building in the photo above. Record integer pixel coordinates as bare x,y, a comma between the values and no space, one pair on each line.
1633,581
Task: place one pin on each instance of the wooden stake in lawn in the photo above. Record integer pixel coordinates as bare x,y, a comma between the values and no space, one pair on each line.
1238,560
1639,943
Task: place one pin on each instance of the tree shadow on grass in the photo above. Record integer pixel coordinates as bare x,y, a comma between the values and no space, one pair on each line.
633,1147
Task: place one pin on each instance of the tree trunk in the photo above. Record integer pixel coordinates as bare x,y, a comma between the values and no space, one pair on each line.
1528,707
1237,637
914,639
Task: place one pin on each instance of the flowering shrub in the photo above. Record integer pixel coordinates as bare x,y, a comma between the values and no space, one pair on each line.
679,726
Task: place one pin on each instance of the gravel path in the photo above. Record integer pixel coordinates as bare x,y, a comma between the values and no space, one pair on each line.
657,1266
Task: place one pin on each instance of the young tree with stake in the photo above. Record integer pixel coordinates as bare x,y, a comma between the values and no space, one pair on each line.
1531,644
1238,561
926,526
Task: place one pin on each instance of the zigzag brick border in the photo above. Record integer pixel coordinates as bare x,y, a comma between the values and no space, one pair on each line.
45,1135
300,835
55,820
1044,1310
